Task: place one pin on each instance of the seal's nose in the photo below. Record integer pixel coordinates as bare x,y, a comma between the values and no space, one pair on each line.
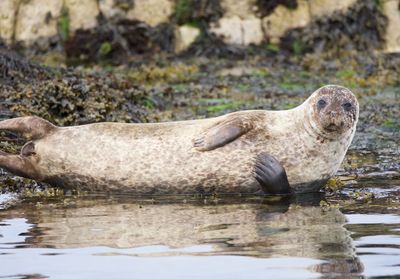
334,113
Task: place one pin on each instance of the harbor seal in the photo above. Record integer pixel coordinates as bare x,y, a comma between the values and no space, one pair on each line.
255,151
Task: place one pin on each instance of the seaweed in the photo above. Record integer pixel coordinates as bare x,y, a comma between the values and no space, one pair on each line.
362,27
194,12
14,68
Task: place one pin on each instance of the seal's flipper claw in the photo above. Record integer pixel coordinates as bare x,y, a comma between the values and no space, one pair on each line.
30,127
198,142
19,165
271,175
223,133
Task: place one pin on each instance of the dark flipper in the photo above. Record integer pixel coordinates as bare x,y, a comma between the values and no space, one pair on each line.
223,133
271,175
30,127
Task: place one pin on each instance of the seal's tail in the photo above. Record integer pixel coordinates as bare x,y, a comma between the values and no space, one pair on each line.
30,127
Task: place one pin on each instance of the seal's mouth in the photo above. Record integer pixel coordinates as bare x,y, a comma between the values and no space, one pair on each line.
332,127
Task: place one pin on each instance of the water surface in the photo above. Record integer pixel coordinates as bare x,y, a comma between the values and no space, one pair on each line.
231,237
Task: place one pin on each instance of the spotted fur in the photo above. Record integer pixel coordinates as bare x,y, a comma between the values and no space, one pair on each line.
191,156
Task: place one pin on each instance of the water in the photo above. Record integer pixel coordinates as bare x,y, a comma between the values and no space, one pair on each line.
179,237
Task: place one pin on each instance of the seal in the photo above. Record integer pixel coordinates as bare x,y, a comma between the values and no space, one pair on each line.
255,151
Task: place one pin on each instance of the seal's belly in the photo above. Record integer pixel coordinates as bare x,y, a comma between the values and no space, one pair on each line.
161,163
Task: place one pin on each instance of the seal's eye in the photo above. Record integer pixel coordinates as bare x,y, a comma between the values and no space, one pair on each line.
321,103
347,106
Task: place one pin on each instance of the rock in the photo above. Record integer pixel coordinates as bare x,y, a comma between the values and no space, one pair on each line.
243,9
115,8
153,12
235,30
319,8
283,19
252,32
7,13
37,19
82,14
391,9
185,36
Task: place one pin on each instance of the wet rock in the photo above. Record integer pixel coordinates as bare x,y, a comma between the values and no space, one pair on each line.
82,14
185,36
392,12
234,30
7,8
37,19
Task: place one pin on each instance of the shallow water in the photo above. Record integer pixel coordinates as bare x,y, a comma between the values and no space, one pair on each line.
182,237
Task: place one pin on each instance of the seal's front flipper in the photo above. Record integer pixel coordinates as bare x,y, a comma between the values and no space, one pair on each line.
223,133
271,175
30,127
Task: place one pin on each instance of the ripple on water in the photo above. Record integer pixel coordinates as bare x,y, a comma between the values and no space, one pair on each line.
376,238
263,238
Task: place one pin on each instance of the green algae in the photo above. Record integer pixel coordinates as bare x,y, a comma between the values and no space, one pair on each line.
174,73
64,24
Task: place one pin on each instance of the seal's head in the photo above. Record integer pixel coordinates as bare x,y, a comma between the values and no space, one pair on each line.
333,111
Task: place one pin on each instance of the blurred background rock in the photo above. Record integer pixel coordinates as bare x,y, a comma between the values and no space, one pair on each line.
94,30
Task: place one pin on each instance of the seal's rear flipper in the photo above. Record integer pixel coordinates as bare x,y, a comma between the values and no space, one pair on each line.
271,175
19,165
30,127
223,133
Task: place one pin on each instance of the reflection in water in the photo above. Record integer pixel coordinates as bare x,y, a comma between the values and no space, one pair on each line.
264,230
